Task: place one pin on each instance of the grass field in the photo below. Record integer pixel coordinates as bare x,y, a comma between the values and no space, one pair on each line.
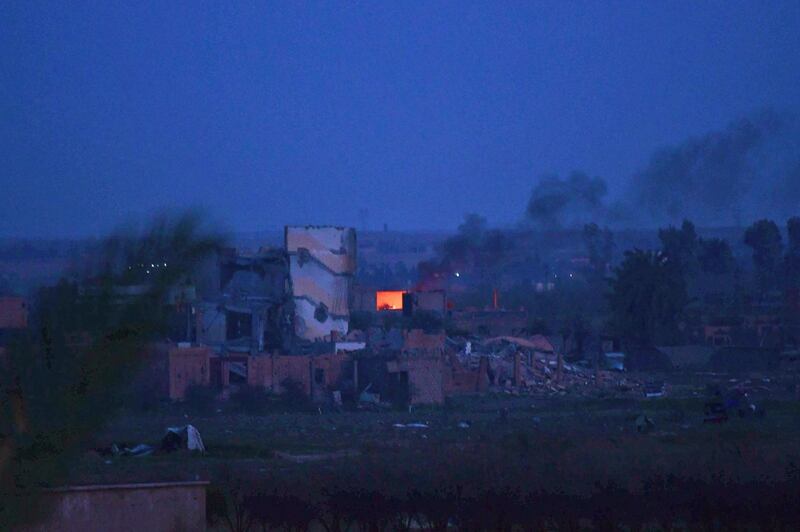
574,447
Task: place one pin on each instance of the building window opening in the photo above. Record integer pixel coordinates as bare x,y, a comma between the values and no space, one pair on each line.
389,300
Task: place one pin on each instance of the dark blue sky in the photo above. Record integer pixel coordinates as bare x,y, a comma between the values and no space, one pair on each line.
294,112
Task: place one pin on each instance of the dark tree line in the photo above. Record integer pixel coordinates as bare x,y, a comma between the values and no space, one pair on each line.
651,290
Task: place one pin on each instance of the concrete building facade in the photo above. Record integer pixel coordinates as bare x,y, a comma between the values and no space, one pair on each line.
322,264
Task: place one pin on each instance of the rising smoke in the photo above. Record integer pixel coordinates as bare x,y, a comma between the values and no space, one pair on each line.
568,202
748,170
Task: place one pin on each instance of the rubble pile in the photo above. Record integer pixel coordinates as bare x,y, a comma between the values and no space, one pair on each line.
531,366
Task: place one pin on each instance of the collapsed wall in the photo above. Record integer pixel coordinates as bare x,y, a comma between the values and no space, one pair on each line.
322,264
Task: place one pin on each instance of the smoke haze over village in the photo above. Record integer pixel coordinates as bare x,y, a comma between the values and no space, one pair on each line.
747,170
395,266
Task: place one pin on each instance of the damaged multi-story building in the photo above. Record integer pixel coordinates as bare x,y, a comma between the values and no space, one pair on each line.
281,299
252,312
283,314
274,308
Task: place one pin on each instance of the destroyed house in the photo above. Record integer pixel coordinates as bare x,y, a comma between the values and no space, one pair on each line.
423,368
412,372
419,343
253,312
418,371
282,316
418,379
322,265
262,277
188,366
422,372
317,376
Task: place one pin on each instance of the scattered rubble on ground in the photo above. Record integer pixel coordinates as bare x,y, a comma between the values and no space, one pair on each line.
122,449
186,437
654,389
410,425
532,366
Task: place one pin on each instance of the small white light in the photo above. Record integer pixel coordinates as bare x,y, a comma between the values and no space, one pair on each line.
458,274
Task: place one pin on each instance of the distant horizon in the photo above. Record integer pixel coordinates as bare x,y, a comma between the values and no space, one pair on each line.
411,231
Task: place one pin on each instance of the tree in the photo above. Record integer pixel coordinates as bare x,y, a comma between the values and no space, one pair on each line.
648,293
599,246
793,230
680,245
764,238
792,267
580,332
57,392
715,256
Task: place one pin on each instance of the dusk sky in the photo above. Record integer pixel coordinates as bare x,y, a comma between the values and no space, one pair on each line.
282,113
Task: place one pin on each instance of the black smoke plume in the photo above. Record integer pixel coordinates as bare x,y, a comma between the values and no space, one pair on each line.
749,170
569,202
746,171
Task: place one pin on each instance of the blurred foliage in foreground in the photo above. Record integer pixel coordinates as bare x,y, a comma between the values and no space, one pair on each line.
65,376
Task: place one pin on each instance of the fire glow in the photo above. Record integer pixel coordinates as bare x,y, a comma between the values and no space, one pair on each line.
389,300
